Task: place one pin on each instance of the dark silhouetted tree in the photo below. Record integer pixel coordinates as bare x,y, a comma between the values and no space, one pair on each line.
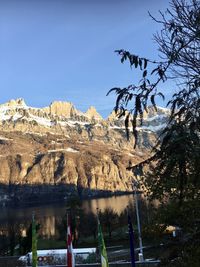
108,219
174,168
176,172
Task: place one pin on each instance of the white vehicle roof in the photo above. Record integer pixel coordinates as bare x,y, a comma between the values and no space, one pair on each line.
64,251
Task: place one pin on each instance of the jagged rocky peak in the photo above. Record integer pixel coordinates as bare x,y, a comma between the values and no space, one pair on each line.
114,116
91,113
152,112
19,102
60,108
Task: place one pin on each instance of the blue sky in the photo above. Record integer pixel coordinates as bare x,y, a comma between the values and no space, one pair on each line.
64,49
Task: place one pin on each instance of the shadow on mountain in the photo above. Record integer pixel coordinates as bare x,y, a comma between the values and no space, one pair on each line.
27,195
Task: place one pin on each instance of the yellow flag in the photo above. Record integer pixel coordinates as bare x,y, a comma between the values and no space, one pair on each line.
102,247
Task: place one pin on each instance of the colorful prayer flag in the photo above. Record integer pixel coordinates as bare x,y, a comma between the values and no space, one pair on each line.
70,255
102,248
131,238
34,243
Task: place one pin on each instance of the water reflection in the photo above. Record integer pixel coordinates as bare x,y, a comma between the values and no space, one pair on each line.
48,228
118,204
49,217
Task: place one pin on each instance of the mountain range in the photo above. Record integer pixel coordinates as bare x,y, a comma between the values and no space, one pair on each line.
58,150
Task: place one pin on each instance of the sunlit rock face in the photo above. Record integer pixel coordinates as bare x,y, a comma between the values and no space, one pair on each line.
58,108
92,114
62,145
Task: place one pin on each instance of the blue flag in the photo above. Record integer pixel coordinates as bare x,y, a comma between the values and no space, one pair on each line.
131,238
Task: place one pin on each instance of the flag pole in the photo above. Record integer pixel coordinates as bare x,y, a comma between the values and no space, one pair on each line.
141,255
102,247
70,255
131,239
34,242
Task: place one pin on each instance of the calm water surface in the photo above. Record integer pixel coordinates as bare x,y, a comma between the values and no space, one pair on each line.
50,216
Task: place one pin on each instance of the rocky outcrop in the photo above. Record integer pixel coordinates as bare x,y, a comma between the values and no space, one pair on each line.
59,145
39,161
59,108
63,118
92,114
51,161
15,103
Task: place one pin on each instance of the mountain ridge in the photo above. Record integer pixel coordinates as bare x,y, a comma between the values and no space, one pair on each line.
60,145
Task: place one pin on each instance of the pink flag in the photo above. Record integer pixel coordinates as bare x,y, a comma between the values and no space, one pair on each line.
70,256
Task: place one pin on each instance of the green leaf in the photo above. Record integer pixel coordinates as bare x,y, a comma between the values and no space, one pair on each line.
126,122
140,63
161,95
154,70
136,61
144,73
116,89
153,102
145,63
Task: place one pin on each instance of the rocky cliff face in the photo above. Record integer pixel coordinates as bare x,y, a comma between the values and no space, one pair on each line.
59,145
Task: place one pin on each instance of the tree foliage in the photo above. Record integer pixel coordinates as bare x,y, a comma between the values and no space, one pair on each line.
174,168
175,171
108,219
179,46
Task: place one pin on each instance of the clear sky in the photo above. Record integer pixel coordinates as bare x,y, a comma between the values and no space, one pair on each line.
64,49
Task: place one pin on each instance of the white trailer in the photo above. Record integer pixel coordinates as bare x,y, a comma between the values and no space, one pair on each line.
58,256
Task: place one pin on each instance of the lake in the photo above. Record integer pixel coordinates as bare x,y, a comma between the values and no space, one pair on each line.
49,216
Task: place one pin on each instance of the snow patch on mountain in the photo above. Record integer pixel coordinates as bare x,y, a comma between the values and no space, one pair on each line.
66,115
69,149
151,128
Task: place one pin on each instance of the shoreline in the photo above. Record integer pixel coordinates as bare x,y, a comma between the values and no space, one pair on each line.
15,202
